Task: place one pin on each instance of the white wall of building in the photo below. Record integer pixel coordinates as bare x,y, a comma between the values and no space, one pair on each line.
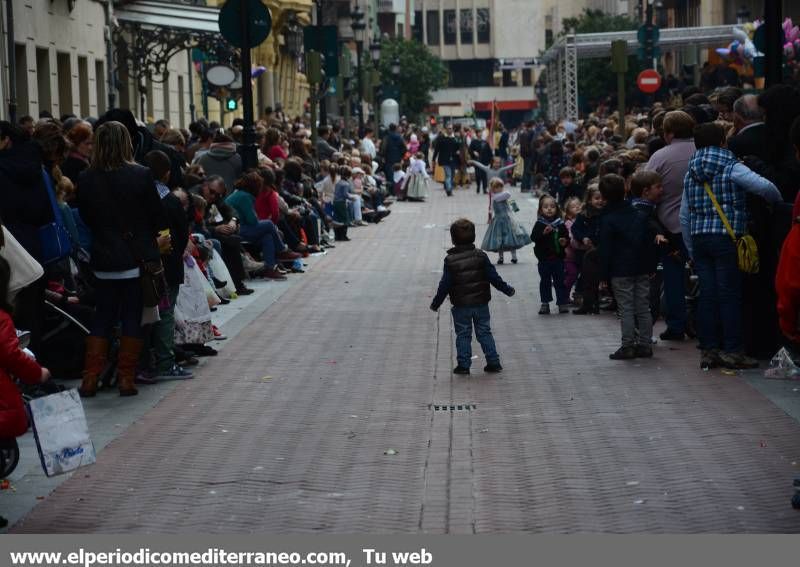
62,65
468,96
518,27
64,46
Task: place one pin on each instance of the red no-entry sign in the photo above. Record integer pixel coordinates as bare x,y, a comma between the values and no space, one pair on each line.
648,81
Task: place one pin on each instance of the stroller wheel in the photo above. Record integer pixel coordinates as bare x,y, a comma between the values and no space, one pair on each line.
9,456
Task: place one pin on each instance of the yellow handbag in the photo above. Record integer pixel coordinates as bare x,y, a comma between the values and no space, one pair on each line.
438,174
746,248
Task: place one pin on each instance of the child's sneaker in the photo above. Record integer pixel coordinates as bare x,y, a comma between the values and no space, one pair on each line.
563,309
493,367
513,260
644,351
460,370
544,309
175,373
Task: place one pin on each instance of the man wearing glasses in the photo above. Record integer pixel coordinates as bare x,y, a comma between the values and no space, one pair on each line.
221,226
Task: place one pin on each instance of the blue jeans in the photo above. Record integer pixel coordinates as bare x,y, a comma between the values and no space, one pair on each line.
675,288
463,320
448,178
551,275
719,308
266,234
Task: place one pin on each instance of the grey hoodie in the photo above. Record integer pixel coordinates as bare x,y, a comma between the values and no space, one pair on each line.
223,160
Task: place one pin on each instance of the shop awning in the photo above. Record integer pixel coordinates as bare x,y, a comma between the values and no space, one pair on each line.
155,13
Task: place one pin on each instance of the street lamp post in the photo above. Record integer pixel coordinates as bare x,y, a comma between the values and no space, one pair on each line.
375,52
395,69
357,17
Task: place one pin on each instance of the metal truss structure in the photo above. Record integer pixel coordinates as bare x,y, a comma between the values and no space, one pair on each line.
561,59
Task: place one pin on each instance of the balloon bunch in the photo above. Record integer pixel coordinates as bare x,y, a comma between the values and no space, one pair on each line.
791,46
741,49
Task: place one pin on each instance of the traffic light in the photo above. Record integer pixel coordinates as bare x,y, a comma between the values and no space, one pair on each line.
648,36
231,104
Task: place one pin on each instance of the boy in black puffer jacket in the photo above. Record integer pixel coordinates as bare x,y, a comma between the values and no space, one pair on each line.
626,261
466,277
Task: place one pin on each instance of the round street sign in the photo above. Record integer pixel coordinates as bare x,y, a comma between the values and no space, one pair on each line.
230,22
220,75
648,81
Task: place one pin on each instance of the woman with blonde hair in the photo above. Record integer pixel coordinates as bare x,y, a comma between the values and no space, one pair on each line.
118,201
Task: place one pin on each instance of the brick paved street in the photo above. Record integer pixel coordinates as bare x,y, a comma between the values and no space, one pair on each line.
287,429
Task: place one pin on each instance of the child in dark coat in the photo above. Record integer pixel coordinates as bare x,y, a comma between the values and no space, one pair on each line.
626,262
549,238
646,191
466,278
586,239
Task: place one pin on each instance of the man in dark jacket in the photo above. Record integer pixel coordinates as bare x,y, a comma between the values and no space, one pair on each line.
324,149
525,140
445,153
751,135
222,225
625,262
466,277
393,148
480,151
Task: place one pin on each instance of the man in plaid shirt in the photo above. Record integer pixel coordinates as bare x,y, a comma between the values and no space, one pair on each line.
711,247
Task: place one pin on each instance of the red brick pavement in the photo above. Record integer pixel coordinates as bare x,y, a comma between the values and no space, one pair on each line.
286,431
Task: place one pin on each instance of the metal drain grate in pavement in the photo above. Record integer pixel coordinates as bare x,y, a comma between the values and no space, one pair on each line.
452,407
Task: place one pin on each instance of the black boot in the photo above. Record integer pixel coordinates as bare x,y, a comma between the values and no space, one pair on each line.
340,233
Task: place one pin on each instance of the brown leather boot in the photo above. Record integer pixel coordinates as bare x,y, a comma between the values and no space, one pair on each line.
93,365
129,350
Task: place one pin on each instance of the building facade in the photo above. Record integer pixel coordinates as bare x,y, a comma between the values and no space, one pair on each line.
61,61
489,48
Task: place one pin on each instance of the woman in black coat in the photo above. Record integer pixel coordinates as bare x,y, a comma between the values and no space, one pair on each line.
119,202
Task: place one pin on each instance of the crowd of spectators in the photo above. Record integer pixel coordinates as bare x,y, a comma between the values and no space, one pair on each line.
123,237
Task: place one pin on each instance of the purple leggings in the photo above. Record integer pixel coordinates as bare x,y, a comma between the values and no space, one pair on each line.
570,275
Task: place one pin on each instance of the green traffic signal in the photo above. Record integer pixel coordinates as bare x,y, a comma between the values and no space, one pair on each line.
231,104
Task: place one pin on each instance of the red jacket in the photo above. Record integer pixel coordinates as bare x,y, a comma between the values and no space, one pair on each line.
787,279
787,284
13,419
267,207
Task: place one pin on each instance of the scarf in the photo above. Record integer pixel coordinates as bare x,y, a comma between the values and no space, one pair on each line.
555,223
644,203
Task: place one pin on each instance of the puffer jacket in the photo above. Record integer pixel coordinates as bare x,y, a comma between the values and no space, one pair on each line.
470,282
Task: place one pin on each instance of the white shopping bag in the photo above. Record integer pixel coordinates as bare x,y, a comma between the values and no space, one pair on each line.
62,437
192,305
220,271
